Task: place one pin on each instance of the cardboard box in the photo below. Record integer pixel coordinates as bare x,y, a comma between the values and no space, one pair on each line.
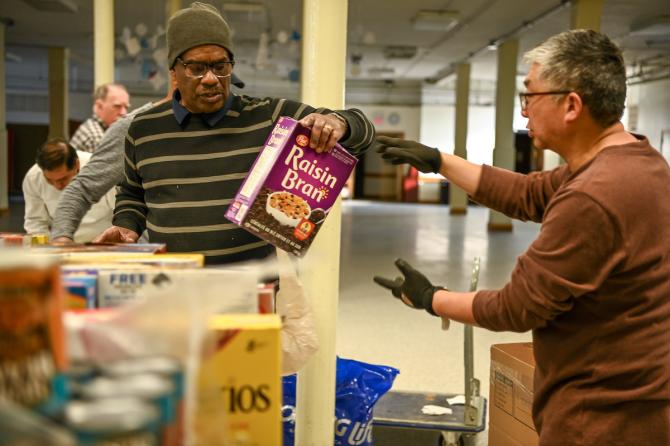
290,188
33,352
81,290
239,383
234,291
172,260
511,395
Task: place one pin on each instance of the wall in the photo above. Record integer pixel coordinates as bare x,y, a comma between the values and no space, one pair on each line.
437,130
654,113
382,179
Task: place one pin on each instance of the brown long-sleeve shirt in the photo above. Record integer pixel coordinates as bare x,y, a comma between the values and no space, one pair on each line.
595,289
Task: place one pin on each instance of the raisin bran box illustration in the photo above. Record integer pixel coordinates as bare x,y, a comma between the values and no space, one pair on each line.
290,188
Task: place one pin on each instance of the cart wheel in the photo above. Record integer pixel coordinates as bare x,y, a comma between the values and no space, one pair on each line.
457,440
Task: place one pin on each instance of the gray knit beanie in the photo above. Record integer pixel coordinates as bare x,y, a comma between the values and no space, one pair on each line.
199,24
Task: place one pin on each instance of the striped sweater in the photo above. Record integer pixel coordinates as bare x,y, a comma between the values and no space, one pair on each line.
180,178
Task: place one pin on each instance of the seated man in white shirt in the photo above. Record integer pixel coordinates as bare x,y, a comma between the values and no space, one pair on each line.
57,164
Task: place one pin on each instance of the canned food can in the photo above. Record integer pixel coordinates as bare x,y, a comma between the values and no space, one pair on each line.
81,372
39,239
151,387
32,341
11,240
163,366
118,421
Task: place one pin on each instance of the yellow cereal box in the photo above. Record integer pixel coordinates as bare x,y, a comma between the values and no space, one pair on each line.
239,383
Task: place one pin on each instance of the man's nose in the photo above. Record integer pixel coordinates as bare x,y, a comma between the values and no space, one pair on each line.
209,78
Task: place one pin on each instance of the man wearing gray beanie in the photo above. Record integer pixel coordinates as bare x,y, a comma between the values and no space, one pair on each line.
186,159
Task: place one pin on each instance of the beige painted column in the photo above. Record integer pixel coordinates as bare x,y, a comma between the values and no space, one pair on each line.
58,93
458,199
172,7
503,153
103,41
4,159
324,42
586,14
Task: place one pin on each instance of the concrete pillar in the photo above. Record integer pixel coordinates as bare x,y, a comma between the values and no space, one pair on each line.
103,41
503,153
172,7
4,159
586,14
324,43
58,93
458,199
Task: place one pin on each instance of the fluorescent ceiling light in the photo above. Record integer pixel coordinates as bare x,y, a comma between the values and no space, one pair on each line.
399,51
435,20
380,71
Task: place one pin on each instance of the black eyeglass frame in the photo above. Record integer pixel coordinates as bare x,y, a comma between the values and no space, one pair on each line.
523,97
208,67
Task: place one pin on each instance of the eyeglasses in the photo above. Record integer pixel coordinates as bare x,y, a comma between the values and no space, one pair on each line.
523,97
198,70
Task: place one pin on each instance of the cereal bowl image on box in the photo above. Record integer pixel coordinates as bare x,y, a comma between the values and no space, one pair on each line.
290,189
287,208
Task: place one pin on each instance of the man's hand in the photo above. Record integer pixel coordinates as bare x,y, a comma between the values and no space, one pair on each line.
326,130
414,289
117,234
402,151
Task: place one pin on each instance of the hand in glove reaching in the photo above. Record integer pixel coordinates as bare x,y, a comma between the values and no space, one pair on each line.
401,151
414,289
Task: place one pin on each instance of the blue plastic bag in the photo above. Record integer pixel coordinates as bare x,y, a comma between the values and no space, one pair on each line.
358,386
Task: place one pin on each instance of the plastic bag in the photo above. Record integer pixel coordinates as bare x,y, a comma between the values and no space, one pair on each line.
298,334
358,387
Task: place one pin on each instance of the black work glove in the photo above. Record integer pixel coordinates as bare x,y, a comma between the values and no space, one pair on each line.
415,290
401,151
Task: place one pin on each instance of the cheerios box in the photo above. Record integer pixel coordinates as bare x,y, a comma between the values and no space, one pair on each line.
290,188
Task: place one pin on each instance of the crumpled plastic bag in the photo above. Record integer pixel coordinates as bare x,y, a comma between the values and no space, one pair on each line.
299,339
358,387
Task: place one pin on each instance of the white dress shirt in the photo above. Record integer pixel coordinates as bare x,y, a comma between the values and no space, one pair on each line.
41,200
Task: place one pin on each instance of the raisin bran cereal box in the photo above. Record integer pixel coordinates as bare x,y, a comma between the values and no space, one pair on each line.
290,188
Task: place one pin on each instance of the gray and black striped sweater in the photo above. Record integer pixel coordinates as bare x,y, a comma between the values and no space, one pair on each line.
180,179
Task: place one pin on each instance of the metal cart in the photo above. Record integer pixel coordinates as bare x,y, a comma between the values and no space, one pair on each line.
403,409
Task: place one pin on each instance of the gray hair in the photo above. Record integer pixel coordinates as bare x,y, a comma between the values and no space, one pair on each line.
101,91
588,63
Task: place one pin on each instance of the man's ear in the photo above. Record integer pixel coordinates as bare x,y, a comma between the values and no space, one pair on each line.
573,106
97,105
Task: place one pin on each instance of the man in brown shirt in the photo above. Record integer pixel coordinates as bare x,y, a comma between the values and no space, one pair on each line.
594,287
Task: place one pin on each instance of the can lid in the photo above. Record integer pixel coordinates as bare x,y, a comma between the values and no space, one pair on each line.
143,385
110,415
163,365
